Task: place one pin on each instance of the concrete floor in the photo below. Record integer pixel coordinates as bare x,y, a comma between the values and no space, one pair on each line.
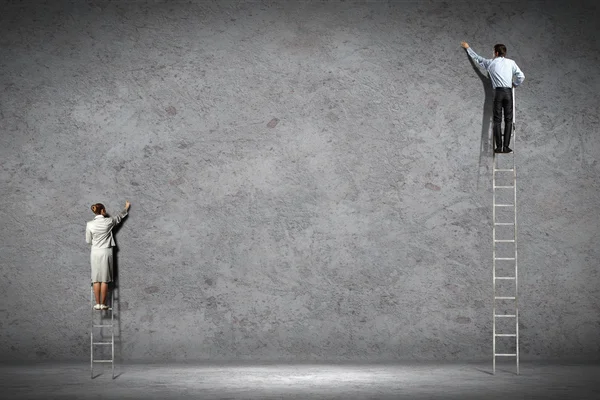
303,381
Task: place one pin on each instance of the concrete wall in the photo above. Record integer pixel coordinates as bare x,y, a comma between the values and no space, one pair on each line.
358,227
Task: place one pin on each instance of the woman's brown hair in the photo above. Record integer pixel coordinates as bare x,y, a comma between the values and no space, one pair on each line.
97,208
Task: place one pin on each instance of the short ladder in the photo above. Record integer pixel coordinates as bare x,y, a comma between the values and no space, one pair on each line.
99,323
504,200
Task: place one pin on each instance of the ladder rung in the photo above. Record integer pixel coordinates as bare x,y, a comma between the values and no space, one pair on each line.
505,298
504,187
102,326
503,170
505,277
505,316
504,223
504,205
505,258
505,241
102,343
103,361
505,355
506,334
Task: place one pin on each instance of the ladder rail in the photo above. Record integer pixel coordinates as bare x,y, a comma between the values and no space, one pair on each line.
92,331
515,233
112,332
494,262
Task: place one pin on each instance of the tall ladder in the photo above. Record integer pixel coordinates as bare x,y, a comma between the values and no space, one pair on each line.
100,322
508,201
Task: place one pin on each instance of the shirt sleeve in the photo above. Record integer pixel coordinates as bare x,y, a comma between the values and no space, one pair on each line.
520,76
117,218
88,235
484,62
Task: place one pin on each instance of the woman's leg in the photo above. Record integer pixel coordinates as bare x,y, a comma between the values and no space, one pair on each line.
97,292
103,291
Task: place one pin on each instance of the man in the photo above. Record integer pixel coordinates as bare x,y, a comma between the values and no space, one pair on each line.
502,71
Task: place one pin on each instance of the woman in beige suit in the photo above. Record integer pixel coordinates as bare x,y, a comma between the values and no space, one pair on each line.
98,233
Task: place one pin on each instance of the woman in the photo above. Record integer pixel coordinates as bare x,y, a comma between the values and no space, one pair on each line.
98,232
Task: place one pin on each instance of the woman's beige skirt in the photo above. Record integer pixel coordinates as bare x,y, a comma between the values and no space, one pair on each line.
102,264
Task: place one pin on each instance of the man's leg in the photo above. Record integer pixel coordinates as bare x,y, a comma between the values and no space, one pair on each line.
498,120
507,104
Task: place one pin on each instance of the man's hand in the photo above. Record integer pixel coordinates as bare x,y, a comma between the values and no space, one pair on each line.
127,205
464,45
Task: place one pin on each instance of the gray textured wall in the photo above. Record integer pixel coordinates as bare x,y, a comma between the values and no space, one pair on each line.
356,228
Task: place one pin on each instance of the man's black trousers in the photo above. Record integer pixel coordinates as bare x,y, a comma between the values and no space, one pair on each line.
503,101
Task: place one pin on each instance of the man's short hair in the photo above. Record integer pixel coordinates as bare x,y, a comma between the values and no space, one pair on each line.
500,49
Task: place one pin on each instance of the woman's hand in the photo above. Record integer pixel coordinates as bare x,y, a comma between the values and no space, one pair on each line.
127,205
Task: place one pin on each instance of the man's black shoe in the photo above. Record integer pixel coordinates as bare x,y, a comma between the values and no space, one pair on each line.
506,150
498,150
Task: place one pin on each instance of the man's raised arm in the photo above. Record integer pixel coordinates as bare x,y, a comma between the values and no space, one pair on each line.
484,62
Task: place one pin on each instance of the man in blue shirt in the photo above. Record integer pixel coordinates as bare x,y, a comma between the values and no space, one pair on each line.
502,71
